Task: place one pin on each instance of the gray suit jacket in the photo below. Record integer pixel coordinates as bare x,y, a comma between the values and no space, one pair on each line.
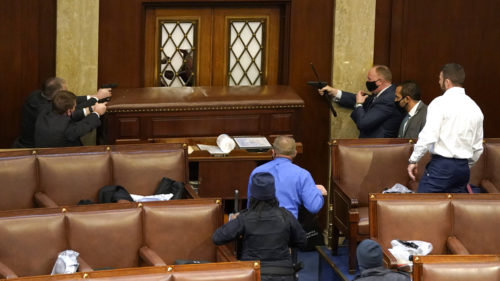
416,123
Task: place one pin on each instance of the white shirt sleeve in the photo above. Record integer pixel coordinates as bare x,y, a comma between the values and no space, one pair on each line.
430,133
337,97
477,147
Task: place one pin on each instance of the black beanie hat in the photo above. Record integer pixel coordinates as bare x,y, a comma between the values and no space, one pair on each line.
262,187
369,254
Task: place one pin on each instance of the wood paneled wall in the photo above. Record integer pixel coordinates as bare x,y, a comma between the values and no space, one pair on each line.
27,57
307,37
416,38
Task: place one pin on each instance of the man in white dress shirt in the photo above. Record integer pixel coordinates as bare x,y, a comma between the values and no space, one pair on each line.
453,134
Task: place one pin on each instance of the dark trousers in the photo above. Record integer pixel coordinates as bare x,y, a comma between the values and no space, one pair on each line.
265,277
445,175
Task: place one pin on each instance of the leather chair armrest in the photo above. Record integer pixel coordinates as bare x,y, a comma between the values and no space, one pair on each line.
224,254
6,272
489,186
456,247
390,261
44,201
352,202
83,266
190,191
150,257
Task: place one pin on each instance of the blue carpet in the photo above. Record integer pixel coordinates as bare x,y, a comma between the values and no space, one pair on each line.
323,266
338,268
310,272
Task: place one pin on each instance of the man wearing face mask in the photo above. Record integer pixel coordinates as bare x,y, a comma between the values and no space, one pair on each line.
453,134
408,100
375,115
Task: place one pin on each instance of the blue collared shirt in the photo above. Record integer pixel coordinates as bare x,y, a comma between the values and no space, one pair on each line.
294,186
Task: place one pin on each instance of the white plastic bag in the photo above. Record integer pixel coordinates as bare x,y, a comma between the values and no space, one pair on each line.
149,198
398,188
402,251
66,262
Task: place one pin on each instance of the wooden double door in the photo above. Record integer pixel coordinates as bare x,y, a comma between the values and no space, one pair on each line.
207,46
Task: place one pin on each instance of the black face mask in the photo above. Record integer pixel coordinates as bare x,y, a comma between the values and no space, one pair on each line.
371,85
398,105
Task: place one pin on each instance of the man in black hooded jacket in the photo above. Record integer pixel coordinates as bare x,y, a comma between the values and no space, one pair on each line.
268,231
371,267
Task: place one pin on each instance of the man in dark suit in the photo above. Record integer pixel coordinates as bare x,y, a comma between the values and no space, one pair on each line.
408,99
375,115
40,100
56,127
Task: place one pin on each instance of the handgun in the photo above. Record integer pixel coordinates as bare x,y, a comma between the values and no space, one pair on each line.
104,86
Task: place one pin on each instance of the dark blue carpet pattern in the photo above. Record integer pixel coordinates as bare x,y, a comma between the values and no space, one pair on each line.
321,265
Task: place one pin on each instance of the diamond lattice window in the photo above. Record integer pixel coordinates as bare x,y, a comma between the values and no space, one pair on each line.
177,53
246,52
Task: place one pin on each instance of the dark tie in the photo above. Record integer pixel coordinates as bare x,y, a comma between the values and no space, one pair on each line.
402,126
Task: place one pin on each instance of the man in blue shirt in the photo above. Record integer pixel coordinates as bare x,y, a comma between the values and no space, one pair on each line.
294,185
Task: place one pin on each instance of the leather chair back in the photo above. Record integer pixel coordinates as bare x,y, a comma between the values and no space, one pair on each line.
428,220
69,178
30,244
492,162
477,224
457,268
106,238
19,180
368,169
141,172
165,229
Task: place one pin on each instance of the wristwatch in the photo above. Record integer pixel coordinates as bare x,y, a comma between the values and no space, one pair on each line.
90,109
412,162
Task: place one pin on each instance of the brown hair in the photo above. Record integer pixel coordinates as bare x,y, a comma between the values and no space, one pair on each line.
62,101
411,89
454,72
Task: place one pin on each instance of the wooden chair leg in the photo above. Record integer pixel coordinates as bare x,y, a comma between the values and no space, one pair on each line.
353,244
334,242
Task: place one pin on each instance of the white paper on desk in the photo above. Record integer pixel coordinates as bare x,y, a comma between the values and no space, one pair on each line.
252,142
212,149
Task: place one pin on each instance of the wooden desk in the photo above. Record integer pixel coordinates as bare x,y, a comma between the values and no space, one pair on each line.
140,114
219,176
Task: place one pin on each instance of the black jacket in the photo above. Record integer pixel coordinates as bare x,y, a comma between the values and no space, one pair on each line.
377,118
59,130
34,105
382,274
267,235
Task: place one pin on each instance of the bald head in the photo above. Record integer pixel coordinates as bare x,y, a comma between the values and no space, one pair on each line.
285,146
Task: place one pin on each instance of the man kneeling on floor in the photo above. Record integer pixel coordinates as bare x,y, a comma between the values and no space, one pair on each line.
268,231
371,264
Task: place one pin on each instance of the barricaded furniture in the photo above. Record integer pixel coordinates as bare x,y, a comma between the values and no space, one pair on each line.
64,176
120,235
459,224
456,268
223,271
363,166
